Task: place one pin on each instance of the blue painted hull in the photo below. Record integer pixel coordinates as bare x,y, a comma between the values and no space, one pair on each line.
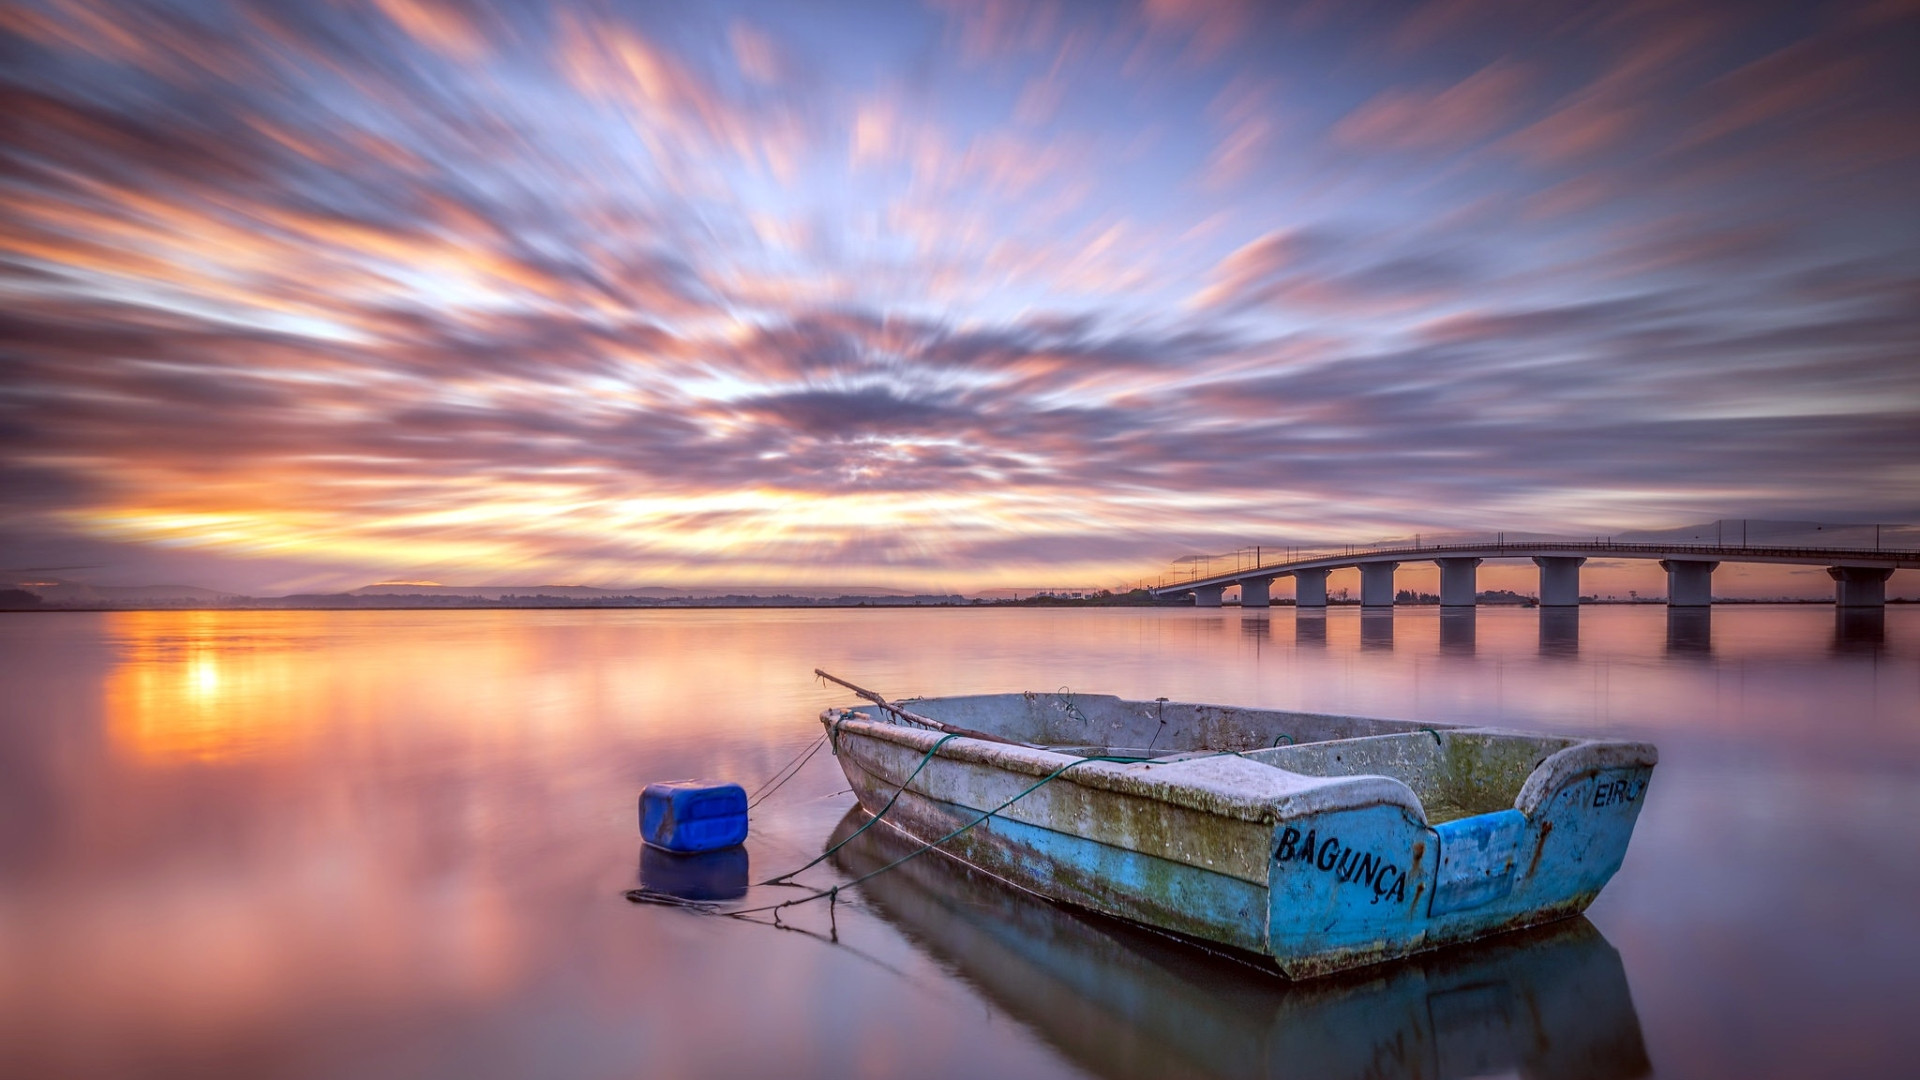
1320,852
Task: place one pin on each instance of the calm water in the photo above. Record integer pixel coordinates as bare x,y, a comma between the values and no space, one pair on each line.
394,844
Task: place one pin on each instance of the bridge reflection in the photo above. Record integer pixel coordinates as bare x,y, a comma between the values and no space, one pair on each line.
1560,632
1462,632
1689,631
1859,631
1457,631
1376,629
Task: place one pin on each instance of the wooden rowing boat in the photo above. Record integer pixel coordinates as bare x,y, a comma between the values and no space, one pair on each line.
1324,842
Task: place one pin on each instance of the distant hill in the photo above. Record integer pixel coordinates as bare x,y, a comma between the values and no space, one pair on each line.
44,594
592,592
495,592
79,594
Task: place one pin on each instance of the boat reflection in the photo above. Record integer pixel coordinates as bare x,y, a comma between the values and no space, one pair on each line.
1122,1001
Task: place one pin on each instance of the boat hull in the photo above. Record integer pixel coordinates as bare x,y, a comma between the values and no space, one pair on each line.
1041,850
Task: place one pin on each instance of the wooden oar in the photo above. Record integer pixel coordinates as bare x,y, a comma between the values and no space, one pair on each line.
916,718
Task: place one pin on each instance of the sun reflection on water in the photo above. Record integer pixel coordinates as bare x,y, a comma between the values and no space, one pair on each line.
187,691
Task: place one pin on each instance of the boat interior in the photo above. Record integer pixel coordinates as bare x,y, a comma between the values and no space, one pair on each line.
1456,772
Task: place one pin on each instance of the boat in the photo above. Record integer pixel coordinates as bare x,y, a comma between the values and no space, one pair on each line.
1122,1001
1322,842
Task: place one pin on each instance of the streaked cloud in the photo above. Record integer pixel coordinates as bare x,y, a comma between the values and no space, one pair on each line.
956,296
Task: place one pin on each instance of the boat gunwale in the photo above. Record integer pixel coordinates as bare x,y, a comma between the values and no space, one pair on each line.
1181,783
1206,782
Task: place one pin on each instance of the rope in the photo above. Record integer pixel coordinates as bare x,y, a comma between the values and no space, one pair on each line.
928,756
834,892
768,788
1067,705
648,896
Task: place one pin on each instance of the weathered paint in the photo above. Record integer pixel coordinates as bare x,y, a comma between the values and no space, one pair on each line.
1130,884
1119,819
1570,848
1348,887
1323,854
1476,860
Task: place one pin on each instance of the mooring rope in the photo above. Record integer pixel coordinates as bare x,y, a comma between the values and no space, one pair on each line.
760,793
832,894
928,756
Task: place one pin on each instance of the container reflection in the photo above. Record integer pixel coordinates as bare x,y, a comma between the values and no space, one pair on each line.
706,875
1123,1001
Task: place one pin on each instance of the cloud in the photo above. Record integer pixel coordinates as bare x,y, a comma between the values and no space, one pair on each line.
1442,119
1320,268
448,289
824,413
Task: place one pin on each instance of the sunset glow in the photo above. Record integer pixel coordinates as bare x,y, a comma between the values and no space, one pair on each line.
942,297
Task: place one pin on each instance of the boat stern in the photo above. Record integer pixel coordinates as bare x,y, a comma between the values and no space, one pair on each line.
1358,884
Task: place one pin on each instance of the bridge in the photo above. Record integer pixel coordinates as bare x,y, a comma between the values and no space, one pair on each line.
1859,575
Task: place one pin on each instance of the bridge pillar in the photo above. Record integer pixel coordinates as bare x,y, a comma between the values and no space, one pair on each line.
1208,595
1310,588
1458,585
1376,584
1256,592
1689,582
1859,586
1559,580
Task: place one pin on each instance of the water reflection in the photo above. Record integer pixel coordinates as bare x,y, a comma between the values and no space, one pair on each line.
1560,632
1859,631
1376,629
1689,631
707,875
1121,1001
393,843
187,691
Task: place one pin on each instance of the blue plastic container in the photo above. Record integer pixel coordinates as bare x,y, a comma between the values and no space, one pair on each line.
693,815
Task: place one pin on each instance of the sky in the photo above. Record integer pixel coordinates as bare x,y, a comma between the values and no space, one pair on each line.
940,297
